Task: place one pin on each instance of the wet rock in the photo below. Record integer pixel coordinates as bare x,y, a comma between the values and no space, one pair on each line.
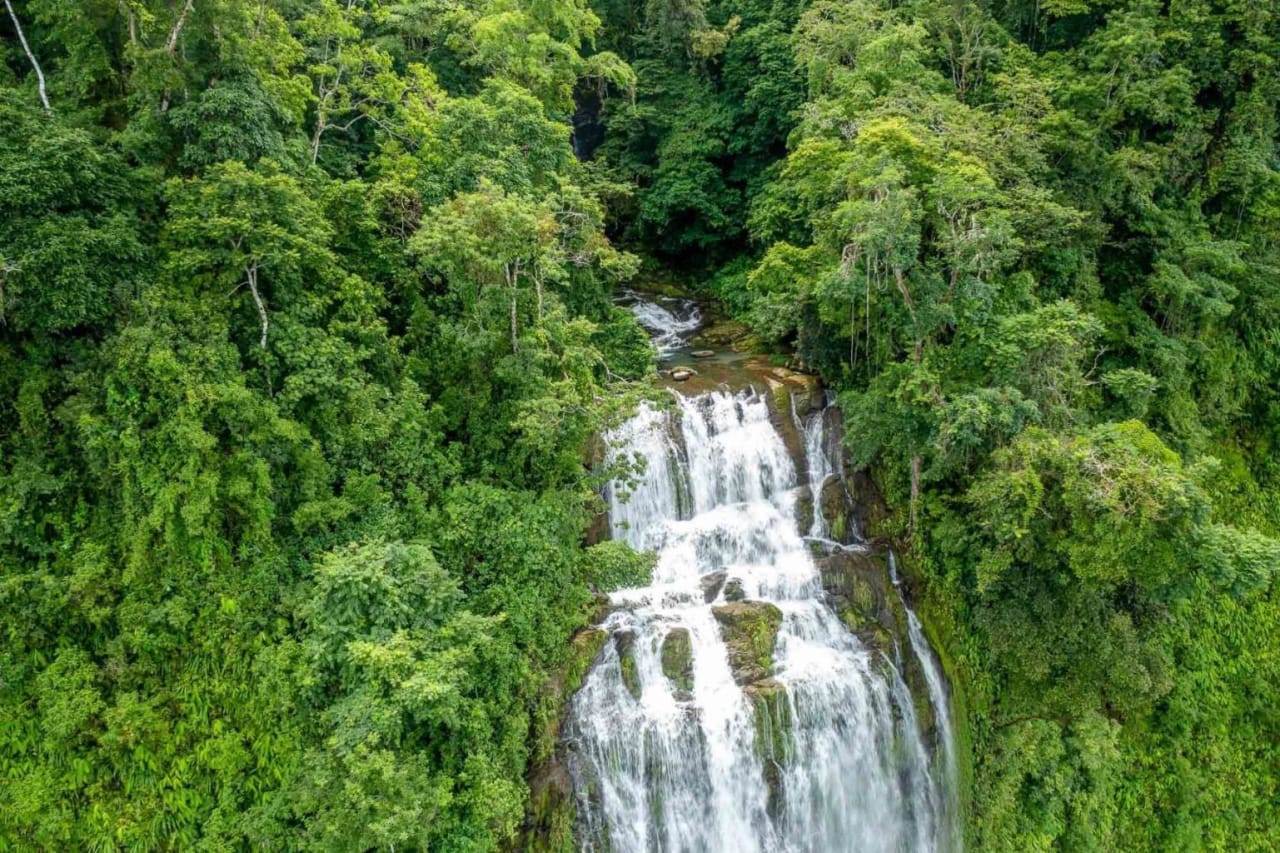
868,504
552,810
680,374
711,585
773,734
677,658
733,590
750,629
856,577
624,642
837,510
551,814
703,353
724,333
804,509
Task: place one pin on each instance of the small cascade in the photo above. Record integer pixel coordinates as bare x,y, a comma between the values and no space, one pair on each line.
941,707
669,320
823,461
731,709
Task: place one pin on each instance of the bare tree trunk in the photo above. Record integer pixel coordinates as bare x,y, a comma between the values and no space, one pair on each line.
917,355
171,44
915,492
44,96
252,273
513,278
133,22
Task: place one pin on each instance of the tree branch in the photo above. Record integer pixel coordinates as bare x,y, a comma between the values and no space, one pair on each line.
44,97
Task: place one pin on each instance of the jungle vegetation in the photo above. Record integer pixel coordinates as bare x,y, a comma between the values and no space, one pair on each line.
306,327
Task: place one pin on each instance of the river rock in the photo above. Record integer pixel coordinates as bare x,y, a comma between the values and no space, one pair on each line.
711,585
677,658
772,712
733,590
680,374
624,642
750,629
703,353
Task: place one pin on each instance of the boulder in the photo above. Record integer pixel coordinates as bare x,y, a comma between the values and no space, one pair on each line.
857,587
680,374
624,642
733,590
677,658
750,629
711,585
703,353
772,712
837,510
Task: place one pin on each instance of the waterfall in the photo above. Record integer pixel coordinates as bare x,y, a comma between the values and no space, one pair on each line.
821,459
938,699
688,734
668,323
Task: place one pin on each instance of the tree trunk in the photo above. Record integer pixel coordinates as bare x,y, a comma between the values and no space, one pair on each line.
252,273
31,57
513,278
171,45
915,492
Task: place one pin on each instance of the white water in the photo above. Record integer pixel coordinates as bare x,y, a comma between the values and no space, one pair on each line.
668,323
938,699
672,770
822,460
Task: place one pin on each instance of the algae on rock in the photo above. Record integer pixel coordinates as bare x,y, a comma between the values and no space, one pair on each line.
677,658
750,629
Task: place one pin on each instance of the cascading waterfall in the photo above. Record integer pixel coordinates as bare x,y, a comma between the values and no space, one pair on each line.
822,461
681,741
667,324
938,698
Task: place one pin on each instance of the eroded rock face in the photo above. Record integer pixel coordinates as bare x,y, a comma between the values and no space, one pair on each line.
857,589
677,658
836,506
750,629
549,820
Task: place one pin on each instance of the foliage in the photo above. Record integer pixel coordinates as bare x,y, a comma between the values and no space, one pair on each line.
290,526
306,326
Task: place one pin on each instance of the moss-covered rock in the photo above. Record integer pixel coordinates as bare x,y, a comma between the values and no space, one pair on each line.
803,509
624,642
583,649
750,629
773,734
677,658
548,826
837,510
549,822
